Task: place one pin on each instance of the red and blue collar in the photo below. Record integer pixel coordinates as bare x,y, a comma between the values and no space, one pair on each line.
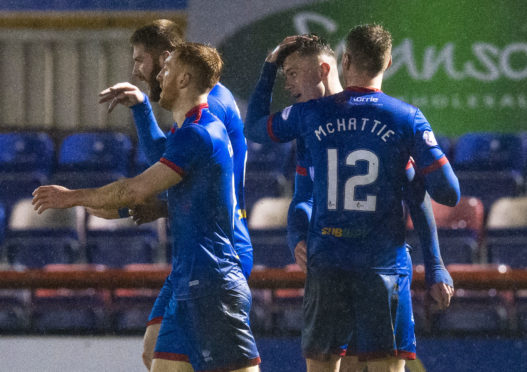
357,89
196,111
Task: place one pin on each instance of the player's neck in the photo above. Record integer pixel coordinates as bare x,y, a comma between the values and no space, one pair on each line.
355,79
185,104
333,88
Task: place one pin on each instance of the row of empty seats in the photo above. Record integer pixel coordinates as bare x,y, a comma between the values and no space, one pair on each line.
31,159
466,233
62,236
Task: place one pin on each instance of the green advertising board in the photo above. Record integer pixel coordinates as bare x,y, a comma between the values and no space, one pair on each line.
464,63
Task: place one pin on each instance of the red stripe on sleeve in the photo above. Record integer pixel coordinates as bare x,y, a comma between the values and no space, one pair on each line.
172,166
270,129
301,170
410,164
435,165
157,320
171,356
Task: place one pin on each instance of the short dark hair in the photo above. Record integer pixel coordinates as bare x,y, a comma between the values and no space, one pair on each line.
203,59
158,36
305,45
368,47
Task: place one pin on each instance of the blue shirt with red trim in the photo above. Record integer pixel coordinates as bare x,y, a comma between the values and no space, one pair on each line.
201,207
359,142
222,104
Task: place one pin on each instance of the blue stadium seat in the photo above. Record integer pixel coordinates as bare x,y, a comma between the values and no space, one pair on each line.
3,224
506,239
459,230
17,186
490,165
66,310
26,152
270,157
15,308
116,243
446,145
269,169
489,152
34,240
93,159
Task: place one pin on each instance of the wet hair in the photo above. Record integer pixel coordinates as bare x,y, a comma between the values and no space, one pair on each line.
369,47
305,45
204,60
158,36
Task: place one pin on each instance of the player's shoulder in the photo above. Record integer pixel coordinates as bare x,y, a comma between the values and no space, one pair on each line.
221,95
397,103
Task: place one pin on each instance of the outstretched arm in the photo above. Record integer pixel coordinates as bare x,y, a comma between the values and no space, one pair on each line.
124,192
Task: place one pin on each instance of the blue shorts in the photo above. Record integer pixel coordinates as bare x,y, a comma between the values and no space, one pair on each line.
368,315
212,333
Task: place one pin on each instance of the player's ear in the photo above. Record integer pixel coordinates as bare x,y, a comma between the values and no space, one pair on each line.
163,56
184,80
346,61
389,63
324,69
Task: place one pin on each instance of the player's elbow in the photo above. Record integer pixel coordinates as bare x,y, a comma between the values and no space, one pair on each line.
446,194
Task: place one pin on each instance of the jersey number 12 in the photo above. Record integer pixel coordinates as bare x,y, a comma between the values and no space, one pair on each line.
350,203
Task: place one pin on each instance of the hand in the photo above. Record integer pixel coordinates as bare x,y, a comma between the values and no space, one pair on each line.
124,93
52,196
441,293
274,54
109,214
148,212
301,255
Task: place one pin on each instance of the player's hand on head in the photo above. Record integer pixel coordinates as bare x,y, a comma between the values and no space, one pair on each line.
441,293
271,57
122,93
52,196
301,255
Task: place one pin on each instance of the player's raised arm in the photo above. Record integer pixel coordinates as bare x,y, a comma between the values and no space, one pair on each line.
259,108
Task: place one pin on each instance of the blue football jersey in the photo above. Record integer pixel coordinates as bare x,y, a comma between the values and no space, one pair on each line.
221,104
359,143
201,206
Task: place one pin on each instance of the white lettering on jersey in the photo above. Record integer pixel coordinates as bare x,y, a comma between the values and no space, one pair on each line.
366,99
429,138
286,112
368,125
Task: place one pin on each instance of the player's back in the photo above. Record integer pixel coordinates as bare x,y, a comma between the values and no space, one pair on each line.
359,144
201,208
222,104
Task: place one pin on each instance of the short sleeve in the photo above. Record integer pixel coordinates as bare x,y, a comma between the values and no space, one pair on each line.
186,148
